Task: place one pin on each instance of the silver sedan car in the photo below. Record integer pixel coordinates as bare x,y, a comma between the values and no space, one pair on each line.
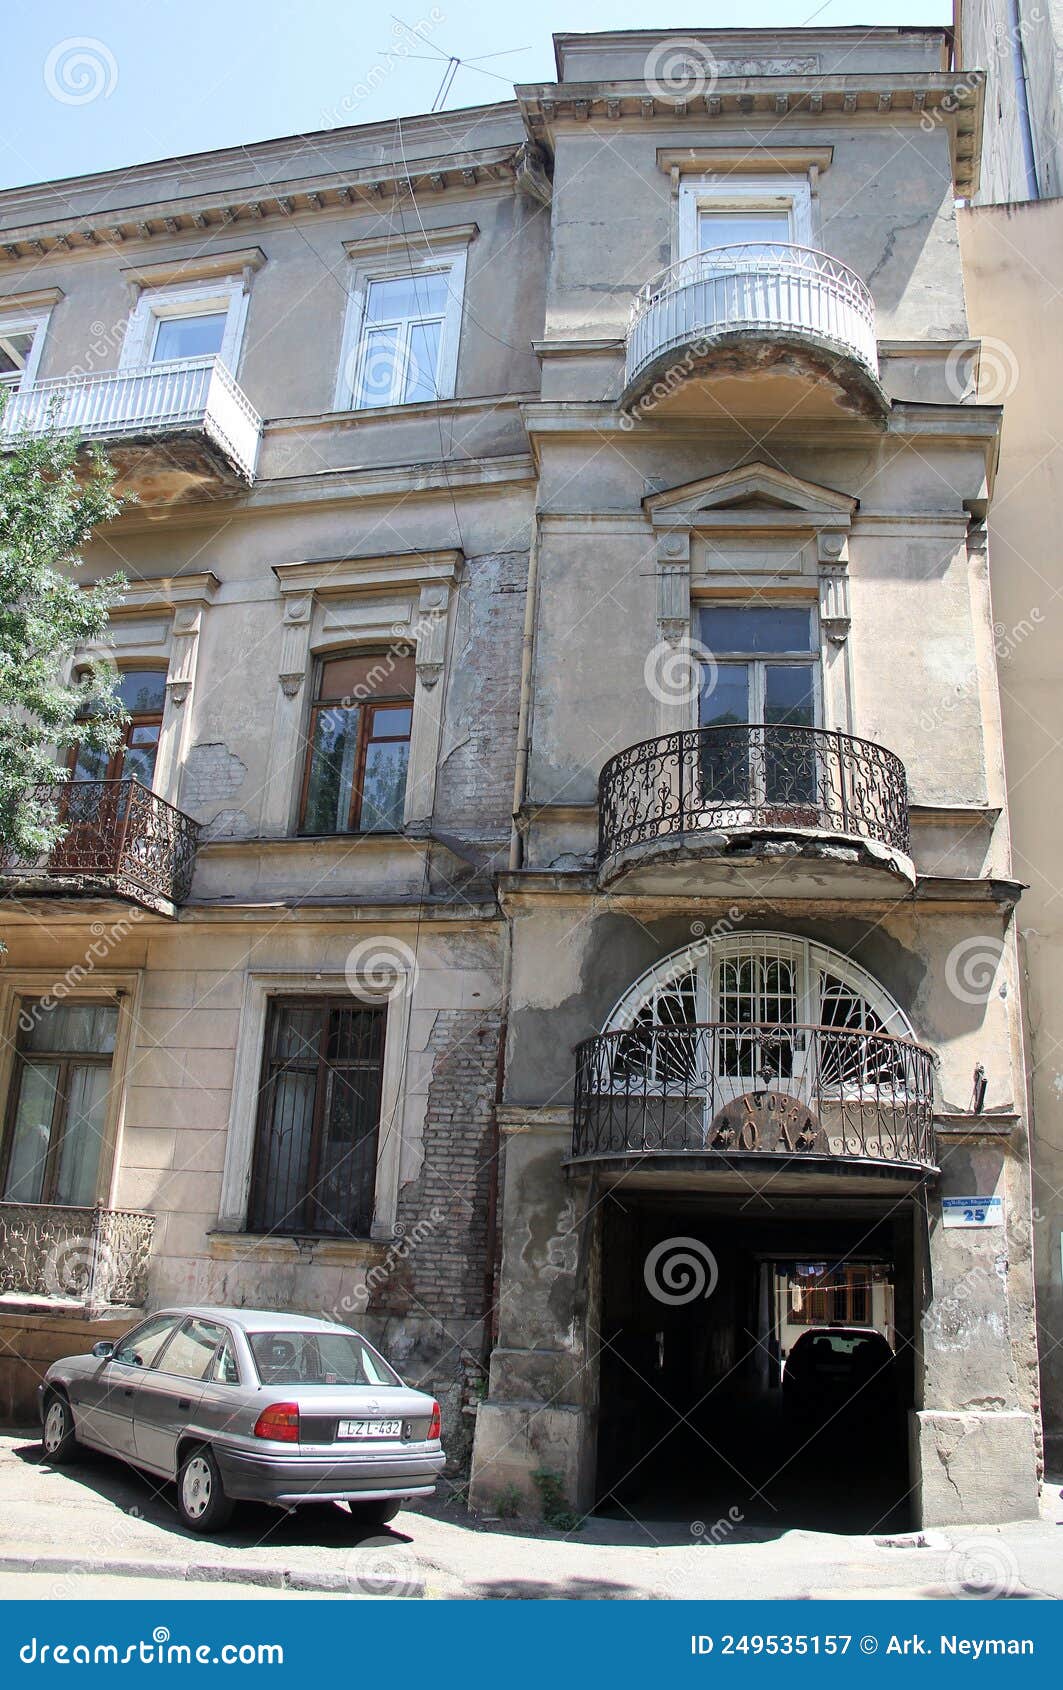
246,1404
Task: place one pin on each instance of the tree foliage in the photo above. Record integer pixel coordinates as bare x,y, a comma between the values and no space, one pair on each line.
53,494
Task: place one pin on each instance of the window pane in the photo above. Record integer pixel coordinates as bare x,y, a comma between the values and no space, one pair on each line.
378,379
421,295
84,1117
346,1183
138,759
140,1348
392,723
31,1132
333,764
756,628
197,336
143,691
789,695
318,1358
15,346
90,764
72,1027
422,363
384,674
732,228
790,763
384,786
225,1369
724,756
283,1156
725,695
192,1351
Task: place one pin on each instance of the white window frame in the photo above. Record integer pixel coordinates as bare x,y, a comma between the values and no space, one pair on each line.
188,299
755,662
746,193
22,322
450,260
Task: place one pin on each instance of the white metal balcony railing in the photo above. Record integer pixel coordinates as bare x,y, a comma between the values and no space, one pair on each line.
757,287
186,395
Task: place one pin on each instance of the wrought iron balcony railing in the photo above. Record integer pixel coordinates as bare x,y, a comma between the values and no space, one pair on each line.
748,777
714,1089
756,288
94,1257
121,836
187,395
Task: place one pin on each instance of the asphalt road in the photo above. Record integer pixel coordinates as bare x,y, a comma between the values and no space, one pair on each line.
98,1528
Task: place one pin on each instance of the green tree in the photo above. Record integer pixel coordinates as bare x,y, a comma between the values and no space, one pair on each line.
53,493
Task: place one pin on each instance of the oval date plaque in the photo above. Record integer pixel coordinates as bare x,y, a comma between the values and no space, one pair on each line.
766,1120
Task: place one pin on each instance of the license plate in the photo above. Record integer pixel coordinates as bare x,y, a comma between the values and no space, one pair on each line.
369,1429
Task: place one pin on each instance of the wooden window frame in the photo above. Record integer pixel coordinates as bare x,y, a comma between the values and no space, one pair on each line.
137,719
60,1105
326,1004
367,709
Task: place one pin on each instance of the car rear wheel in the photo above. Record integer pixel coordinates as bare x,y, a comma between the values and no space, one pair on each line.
373,1513
58,1439
201,1499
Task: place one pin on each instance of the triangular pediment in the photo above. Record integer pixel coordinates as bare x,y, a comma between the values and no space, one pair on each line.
749,490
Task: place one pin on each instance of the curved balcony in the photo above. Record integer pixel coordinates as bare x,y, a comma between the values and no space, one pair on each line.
707,788
715,1091
763,309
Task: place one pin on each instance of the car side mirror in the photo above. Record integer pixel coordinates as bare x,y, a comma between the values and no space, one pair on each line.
103,1351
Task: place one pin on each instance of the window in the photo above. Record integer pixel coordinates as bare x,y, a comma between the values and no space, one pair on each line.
189,320
762,669
199,335
318,1358
359,745
733,211
403,326
143,1346
58,1106
191,1354
225,1370
143,695
314,1169
21,339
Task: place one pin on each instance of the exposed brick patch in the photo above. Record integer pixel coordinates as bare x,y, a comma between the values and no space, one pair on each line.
212,773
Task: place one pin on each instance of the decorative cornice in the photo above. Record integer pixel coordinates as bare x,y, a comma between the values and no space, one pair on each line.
203,266
342,575
414,240
34,299
746,161
875,95
369,189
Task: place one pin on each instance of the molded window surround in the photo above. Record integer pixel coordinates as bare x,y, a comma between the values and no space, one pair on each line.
21,343
735,195
157,308
400,346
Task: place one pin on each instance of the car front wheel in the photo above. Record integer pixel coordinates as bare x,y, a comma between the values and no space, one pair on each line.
201,1499
58,1439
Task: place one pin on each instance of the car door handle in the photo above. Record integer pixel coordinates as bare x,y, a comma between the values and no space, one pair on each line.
128,1391
184,1402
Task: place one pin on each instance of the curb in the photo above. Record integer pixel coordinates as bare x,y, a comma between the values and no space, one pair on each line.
368,1584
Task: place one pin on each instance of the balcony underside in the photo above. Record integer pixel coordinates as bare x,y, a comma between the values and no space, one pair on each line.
815,864
745,1176
763,372
164,467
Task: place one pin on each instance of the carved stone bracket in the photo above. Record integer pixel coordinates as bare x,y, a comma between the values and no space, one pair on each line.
834,613
295,642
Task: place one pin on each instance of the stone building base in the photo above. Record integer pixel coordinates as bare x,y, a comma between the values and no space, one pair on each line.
514,1440
973,1468
32,1336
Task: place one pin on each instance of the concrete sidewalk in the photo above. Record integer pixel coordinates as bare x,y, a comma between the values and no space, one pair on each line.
70,1531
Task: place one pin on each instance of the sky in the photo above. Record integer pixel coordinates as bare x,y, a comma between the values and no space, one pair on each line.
99,84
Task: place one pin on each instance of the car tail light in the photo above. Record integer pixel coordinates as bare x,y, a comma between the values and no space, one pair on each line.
280,1422
435,1425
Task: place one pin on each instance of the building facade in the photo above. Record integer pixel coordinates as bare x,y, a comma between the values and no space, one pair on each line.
566,906
1011,238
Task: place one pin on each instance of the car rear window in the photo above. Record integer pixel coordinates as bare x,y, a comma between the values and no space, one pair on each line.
318,1358
844,1346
